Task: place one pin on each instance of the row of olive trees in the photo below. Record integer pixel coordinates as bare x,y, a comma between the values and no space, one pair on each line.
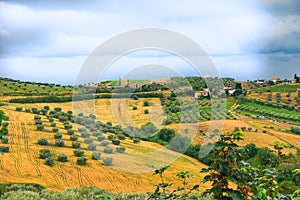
3,132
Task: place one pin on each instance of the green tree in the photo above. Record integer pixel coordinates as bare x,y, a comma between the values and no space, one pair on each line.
49,161
42,141
45,153
107,161
78,152
166,134
81,161
62,158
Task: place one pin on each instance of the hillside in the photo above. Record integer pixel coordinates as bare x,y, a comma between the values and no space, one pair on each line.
112,124
23,164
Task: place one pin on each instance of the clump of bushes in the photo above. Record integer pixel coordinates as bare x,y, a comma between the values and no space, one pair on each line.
107,161
45,153
78,152
62,158
43,141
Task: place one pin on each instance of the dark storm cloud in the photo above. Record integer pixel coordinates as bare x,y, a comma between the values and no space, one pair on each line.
283,36
280,7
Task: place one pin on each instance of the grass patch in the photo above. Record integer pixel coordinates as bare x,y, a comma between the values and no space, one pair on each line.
278,110
279,88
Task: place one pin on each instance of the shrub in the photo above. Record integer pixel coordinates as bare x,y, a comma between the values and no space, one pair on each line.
68,126
42,141
62,158
134,108
91,147
57,109
295,130
37,117
4,149
82,130
44,111
136,140
96,155
59,143
49,161
70,132
120,149
105,143
107,161
96,134
38,121
88,140
121,137
35,110
39,127
78,152
101,138
76,145
63,118
4,131
146,103
55,130
81,160
146,111
45,153
264,131
19,108
73,137
108,150
57,135
85,135
50,118
53,124
110,137
180,143
27,109
4,140
166,134
115,142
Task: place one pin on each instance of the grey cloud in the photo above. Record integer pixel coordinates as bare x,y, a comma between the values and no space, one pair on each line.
280,7
283,37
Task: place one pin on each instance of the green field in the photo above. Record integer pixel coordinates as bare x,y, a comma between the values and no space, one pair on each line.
279,88
15,87
254,105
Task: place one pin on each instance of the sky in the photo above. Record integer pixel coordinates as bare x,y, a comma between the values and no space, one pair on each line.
50,41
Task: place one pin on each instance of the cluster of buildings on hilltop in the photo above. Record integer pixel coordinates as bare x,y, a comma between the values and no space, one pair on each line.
295,80
229,90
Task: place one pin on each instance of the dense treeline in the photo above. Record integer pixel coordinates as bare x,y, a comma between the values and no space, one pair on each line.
198,83
62,99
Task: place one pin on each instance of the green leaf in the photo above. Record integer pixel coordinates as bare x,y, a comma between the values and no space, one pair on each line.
206,178
204,170
195,187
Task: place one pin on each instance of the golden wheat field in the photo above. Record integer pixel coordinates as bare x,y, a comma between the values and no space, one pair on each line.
131,171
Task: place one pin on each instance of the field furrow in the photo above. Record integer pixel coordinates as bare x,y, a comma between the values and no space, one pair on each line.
15,146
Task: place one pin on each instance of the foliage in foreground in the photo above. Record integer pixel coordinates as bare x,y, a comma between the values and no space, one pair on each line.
36,192
228,166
